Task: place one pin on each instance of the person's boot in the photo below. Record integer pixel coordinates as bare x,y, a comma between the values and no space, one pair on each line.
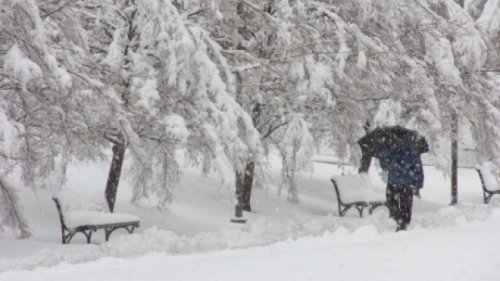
402,226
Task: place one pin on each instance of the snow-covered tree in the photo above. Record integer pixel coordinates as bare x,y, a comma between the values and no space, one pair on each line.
276,72
168,87
296,149
140,75
43,86
41,95
426,58
429,60
218,78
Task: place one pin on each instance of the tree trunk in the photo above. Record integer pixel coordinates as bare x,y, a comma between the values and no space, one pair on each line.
114,175
247,185
238,210
293,195
454,160
244,182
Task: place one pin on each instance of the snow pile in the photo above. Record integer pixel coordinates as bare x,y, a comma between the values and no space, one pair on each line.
266,232
257,232
341,252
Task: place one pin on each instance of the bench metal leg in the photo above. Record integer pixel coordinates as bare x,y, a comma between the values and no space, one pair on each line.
131,230
373,206
343,208
108,230
88,235
343,211
487,197
66,238
360,210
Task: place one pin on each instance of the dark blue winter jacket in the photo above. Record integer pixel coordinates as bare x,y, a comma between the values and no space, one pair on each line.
404,167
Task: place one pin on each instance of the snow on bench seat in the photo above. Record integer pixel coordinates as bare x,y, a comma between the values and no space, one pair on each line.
358,191
74,219
81,212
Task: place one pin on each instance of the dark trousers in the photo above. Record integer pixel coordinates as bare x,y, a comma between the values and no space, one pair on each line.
400,203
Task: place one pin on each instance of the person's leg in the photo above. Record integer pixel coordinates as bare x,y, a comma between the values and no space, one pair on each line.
392,196
406,204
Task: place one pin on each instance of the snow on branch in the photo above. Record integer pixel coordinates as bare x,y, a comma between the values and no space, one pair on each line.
20,66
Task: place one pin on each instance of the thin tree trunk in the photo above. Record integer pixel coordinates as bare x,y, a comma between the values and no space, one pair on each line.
454,160
114,175
238,211
244,182
250,166
292,191
247,185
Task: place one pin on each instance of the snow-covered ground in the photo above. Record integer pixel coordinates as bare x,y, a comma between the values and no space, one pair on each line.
194,240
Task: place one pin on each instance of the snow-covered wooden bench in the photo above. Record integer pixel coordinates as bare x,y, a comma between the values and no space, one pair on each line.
357,191
489,183
75,218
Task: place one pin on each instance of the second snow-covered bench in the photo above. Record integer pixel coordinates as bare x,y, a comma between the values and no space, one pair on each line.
75,219
489,182
357,191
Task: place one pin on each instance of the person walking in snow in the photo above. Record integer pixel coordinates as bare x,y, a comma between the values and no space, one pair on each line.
405,178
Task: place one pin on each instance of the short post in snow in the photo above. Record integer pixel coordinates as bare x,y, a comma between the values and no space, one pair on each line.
238,215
